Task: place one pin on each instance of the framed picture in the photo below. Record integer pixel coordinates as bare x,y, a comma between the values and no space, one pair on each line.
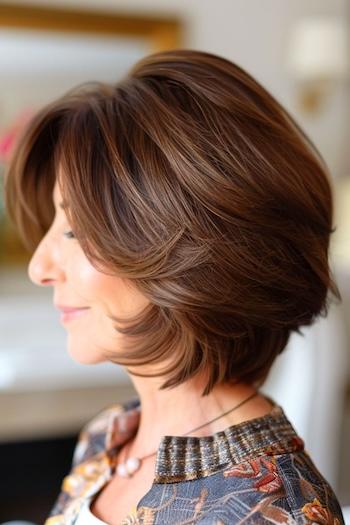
47,51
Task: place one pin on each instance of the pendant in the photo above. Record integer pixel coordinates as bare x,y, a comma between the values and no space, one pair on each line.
127,469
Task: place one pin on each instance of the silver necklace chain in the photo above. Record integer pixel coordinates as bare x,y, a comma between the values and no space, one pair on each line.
129,466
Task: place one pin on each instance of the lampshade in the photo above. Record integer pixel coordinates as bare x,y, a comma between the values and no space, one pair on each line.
318,47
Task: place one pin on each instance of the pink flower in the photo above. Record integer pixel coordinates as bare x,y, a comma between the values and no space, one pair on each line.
8,138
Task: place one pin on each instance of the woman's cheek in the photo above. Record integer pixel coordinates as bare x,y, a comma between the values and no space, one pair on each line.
85,279
109,294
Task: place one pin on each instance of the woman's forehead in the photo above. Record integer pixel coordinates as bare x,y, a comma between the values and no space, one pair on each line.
56,193
57,196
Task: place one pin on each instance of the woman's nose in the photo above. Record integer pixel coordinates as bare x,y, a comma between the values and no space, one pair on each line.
44,268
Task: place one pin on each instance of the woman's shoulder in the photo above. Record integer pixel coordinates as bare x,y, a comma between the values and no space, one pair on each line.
284,488
264,489
309,496
99,433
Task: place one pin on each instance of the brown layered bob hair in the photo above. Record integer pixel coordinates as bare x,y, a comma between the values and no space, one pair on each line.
188,178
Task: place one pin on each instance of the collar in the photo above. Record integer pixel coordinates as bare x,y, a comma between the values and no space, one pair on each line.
181,458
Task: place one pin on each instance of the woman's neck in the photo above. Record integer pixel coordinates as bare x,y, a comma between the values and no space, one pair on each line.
178,410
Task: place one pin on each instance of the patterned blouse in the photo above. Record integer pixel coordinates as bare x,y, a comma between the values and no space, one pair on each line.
254,472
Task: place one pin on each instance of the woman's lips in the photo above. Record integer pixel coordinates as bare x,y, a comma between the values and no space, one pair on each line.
71,313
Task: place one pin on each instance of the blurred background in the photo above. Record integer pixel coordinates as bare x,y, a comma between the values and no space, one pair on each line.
299,50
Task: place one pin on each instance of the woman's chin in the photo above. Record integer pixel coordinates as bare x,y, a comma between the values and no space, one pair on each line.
84,355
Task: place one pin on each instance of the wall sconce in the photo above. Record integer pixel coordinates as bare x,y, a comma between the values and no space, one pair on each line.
318,57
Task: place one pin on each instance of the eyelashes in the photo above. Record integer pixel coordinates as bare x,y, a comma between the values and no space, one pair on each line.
69,234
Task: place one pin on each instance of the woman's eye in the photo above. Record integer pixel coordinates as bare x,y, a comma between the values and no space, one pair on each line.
69,234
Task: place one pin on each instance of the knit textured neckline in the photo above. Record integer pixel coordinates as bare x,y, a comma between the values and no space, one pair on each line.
190,457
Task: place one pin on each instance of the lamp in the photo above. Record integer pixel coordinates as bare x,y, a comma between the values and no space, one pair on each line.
318,58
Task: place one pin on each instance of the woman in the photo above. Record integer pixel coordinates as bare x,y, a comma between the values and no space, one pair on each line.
183,220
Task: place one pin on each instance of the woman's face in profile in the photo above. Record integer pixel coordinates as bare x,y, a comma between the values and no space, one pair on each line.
60,262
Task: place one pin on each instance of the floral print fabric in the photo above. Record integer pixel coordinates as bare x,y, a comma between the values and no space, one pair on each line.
256,472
